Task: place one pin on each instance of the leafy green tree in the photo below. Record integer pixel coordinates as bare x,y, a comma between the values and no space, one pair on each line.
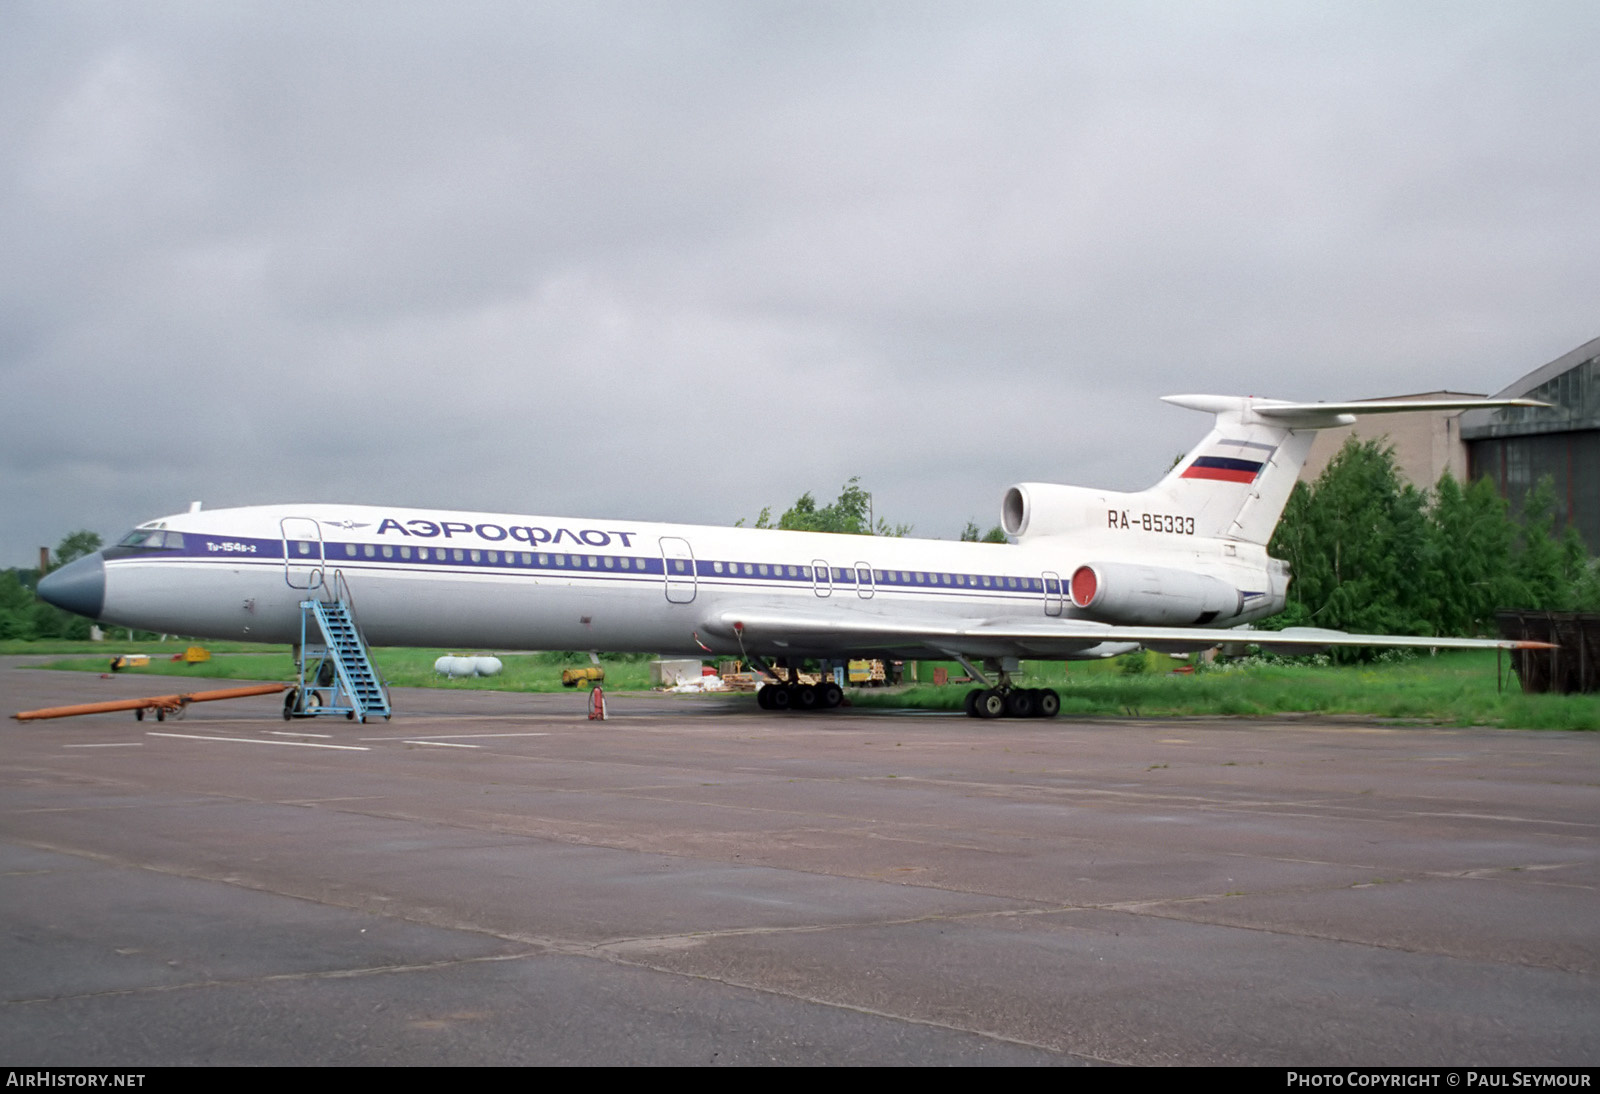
1467,572
970,534
1355,541
1543,567
16,608
1586,589
76,545
847,515
1369,553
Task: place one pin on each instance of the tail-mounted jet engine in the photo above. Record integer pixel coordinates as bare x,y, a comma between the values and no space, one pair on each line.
1031,509
1152,596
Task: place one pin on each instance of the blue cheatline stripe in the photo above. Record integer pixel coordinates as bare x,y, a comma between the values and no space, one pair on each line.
236,550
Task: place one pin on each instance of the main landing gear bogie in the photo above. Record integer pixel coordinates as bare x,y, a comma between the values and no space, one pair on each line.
1013,703
803,697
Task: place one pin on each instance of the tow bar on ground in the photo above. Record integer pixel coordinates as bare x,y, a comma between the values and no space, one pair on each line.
159,705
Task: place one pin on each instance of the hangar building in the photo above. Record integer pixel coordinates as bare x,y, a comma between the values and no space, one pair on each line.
1515,447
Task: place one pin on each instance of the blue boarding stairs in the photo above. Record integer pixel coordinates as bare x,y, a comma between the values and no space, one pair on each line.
336,676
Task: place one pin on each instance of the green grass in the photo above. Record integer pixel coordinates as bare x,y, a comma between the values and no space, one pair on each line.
401,667
104,650
1455,688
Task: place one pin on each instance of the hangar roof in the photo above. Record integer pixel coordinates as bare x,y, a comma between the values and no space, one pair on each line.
1571,382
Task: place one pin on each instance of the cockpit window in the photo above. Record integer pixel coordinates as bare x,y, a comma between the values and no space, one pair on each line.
151,539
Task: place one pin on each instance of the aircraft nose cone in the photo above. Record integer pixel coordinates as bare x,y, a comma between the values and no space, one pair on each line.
79,586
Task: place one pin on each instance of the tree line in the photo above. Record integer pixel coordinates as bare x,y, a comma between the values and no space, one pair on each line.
1375,555
23,616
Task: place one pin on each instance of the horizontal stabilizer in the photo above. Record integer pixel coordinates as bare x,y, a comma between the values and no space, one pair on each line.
1328,415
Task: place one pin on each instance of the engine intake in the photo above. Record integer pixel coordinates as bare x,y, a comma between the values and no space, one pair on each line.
1032,509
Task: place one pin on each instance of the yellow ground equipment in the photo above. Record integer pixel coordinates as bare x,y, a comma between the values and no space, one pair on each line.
588,676
868,673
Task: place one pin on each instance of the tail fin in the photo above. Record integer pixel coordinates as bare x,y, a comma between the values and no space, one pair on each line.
1236,482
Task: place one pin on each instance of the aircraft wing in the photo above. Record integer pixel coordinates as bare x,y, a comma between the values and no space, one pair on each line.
766,628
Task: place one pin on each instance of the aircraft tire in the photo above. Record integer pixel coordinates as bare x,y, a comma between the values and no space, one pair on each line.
971,702
291,700
991,703
780,697
764,697
1049,703
832,695
802,698
161,714
138,715
1020,703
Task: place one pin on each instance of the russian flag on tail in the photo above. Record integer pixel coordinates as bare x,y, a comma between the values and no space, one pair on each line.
1223,469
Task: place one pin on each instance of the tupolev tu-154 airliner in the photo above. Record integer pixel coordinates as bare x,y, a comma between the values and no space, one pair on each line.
1088,573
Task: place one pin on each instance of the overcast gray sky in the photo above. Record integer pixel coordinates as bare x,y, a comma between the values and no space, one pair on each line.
683,260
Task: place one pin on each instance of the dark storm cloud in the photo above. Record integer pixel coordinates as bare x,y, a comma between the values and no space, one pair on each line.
687,260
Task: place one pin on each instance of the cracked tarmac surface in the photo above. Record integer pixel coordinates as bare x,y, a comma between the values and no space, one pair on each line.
492,878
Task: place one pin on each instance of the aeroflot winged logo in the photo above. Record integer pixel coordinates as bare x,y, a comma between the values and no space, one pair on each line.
1231,461
494,533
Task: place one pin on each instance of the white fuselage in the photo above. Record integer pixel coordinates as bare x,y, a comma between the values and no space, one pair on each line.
492,580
